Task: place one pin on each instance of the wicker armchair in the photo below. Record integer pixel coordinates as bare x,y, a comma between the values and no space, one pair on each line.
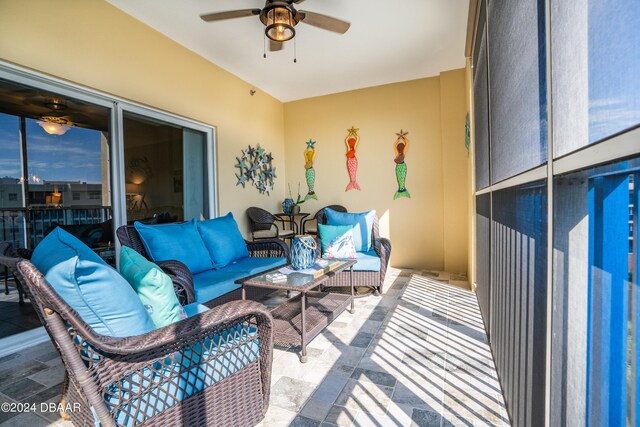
181,374
375,279
182,278
263,225
319,218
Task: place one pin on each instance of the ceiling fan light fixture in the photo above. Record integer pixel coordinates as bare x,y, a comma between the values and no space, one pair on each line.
56,104
54,125
54,128
279,19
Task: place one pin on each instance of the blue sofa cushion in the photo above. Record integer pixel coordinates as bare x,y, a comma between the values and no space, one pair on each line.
180,242
367,261
211,284
153,286
362,226
250,266
196,368
223,240
101,296
194,309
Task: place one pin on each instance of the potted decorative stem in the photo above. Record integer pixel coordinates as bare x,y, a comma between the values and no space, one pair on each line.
295,208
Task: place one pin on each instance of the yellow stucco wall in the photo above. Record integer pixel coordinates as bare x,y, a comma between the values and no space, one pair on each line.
454,170
427,231
91,43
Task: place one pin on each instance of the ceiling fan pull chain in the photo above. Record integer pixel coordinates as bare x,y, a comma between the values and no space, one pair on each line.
295,52
264,46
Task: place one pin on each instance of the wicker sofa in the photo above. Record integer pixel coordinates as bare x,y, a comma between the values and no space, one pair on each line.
187,373
362,275
183,281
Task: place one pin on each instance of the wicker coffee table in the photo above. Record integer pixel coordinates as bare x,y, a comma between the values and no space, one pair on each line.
301,318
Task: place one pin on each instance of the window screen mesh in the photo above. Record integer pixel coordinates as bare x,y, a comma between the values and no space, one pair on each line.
518,298
483,255
481,112
595,353
595,297
596,83
517,84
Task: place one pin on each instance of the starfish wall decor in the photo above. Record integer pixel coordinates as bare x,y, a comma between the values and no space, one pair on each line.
255,168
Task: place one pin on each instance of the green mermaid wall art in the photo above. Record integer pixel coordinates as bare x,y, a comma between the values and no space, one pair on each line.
400,146
310,172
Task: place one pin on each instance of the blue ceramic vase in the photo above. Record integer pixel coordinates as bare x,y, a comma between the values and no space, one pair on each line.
303,252
287,205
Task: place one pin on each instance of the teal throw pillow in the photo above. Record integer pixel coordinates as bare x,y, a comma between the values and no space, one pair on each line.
223,240
362,226
337,241
180,242
153,286
101,296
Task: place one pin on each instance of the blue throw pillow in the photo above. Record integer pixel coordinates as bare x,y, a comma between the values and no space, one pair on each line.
337,241
362,226
102,298
153,286
180,242
223,240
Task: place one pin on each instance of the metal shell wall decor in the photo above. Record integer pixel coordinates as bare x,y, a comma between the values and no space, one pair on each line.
400,147
255,168
352,141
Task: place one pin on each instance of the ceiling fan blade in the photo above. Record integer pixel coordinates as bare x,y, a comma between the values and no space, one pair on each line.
275,46
323,21
230,14
298,1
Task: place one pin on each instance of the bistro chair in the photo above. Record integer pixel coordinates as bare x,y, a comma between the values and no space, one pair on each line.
263,225
319,218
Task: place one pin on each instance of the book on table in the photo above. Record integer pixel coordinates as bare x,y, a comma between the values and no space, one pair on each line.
276,277
320,268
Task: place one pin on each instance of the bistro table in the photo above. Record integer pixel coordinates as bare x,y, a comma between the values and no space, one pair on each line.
293,219
301,318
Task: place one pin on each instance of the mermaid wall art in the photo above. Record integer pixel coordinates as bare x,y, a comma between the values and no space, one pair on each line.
400,146
352,141
310,172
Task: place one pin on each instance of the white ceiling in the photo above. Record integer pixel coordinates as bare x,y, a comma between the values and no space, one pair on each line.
389,41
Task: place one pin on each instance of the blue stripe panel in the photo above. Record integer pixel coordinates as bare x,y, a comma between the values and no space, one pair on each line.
635,362
608,301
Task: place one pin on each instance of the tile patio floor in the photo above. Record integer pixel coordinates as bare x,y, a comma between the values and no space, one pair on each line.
417,356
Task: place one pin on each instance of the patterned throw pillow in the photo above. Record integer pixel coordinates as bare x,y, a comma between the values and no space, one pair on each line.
362,224
337,241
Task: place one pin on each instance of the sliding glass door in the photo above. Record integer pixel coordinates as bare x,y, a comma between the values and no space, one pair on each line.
88,163
54,172
165,169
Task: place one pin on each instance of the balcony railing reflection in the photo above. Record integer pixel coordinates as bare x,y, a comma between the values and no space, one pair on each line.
20,225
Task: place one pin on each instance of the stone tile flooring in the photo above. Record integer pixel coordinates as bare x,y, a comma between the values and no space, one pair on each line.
416,356
15,318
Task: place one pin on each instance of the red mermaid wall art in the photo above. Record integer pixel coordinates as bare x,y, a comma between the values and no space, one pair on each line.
352,141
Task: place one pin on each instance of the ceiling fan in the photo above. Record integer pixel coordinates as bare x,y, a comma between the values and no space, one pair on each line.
279,18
